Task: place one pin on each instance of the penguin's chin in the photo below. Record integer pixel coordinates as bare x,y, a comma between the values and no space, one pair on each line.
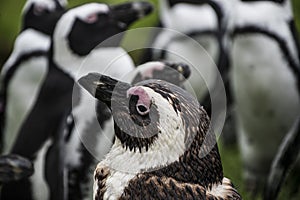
135,144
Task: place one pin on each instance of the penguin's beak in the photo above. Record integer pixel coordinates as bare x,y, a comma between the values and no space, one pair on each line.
14,168
104,88
181,68
128,13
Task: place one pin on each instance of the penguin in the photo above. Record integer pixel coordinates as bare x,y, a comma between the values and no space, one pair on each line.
265,82
26,66
195,32
202,21
14,167
74,51
159,131
175,73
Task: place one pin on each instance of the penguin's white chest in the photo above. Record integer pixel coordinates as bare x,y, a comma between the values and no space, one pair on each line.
21,95
265,92
116,183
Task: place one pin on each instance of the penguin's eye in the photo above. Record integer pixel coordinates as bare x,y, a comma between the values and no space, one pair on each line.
96,17
39,10
91,18
142,109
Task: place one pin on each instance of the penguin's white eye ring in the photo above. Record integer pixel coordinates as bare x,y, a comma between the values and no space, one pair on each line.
39,9
91,18
142,109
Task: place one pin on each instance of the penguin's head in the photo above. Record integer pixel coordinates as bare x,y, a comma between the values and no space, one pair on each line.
82,28
156,122
175,73
42,15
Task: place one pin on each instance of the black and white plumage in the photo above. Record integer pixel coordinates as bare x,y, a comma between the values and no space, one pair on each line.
195,32
202,22
175,73
265,81
159,131
73,52
26,66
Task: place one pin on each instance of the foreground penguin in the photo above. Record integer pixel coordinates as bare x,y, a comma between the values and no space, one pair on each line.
176,73
265,81
68,159
25,70
159,129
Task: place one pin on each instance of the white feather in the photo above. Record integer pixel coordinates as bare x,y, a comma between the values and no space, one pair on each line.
40,189
223,190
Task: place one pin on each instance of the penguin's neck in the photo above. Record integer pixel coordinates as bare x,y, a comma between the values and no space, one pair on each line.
190,168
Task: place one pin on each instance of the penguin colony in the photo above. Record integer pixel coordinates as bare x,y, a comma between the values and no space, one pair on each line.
147,135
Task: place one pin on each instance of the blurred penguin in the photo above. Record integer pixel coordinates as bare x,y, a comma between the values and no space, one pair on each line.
63,114
196,33
25,70
265,82
204,22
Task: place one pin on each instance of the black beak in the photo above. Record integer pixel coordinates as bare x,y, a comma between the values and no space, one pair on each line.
128,13
181,68
14,168
103,87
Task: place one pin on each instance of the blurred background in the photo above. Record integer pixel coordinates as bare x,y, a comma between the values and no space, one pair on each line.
10,11
10,19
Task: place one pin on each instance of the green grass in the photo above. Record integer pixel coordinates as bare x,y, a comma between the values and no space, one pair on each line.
233,169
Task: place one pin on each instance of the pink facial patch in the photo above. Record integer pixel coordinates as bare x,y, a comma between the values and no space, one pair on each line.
144,102
92,18
151,67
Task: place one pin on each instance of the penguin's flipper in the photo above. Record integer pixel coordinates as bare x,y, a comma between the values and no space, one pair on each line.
54,164
45,118
14,168
284,160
